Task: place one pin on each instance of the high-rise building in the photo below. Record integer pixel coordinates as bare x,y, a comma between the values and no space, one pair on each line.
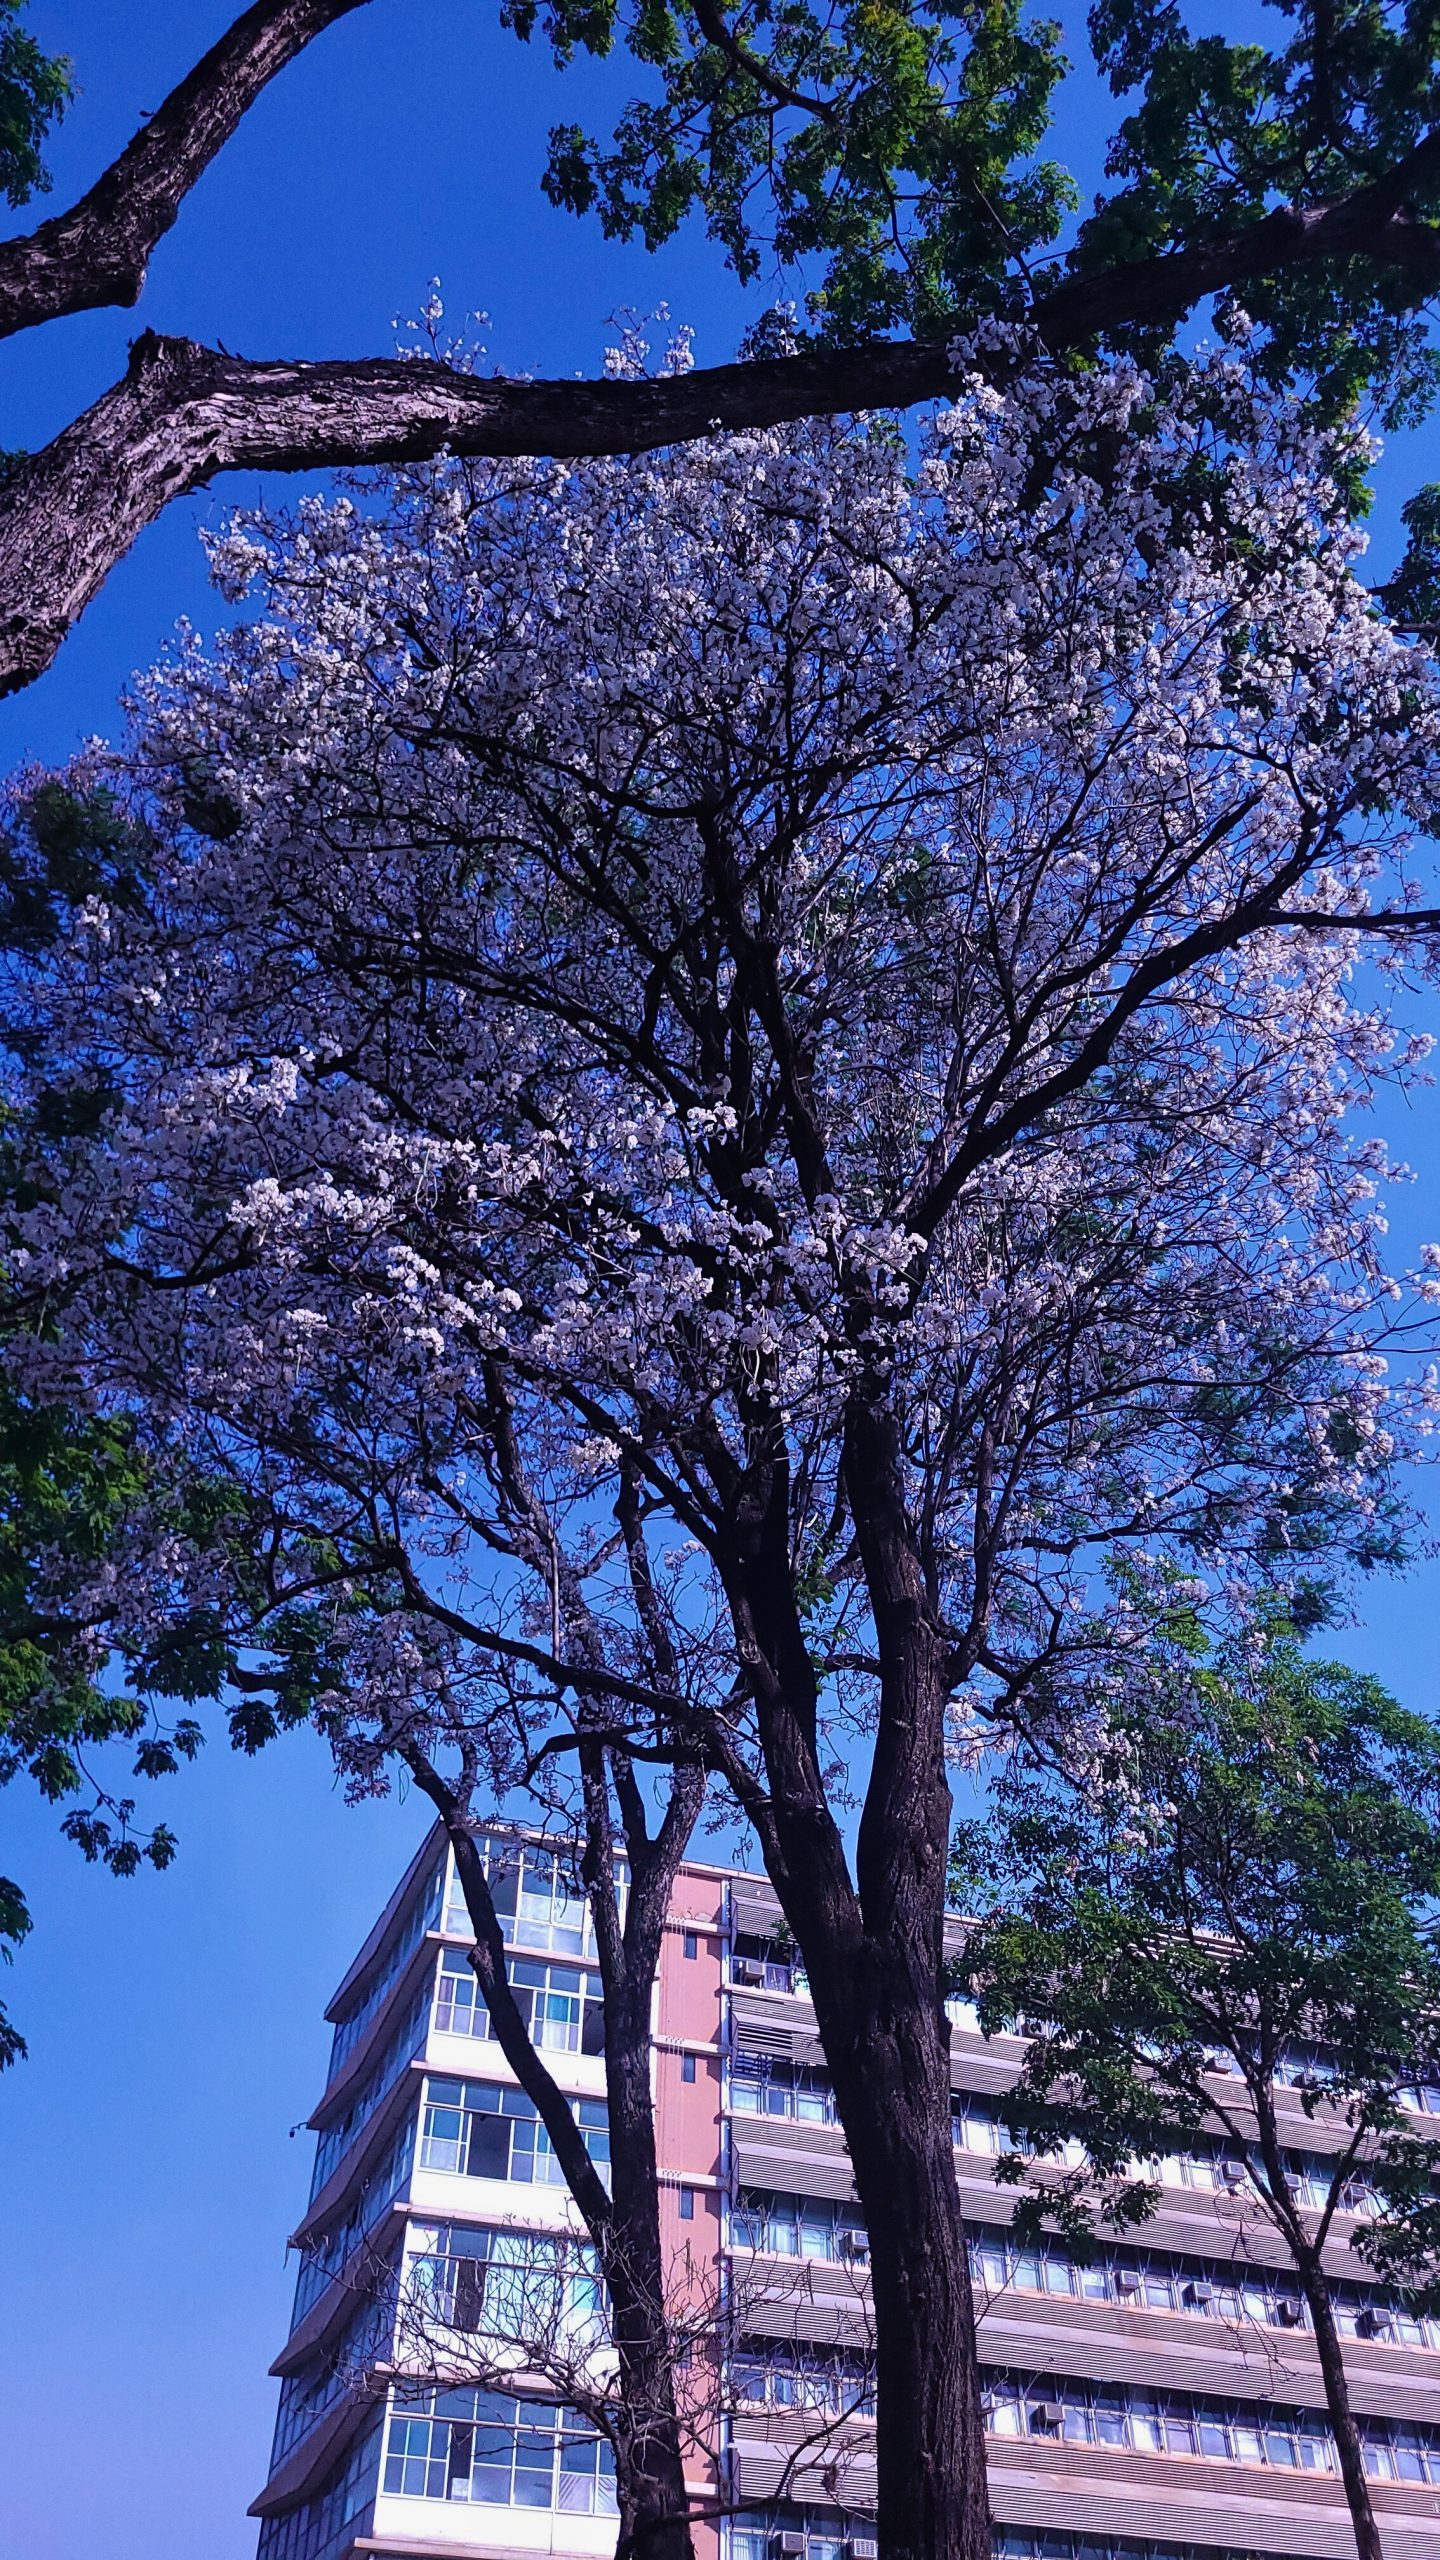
1163,2399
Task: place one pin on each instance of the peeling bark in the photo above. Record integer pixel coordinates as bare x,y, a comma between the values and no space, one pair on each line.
96,254
183,412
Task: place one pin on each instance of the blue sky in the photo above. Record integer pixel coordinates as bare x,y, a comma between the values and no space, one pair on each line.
175,2021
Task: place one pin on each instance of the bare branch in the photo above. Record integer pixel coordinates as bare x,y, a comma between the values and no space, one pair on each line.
511,2033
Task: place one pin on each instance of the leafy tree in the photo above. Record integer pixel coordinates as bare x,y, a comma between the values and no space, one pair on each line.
93,1638
35,90
732,1066
67,1486
898,153
75,1488
1227,1918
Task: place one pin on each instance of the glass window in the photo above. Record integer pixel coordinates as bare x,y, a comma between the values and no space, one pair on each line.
339,2137
761,2084
537,1894
473,2130
477,2447
561,2006
425,1915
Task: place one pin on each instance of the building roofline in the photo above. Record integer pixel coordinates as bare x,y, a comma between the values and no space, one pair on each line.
373,1945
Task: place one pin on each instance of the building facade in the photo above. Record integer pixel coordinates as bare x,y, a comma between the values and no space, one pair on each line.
1162,2400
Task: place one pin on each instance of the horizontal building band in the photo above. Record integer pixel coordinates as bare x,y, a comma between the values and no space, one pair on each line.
1063,2487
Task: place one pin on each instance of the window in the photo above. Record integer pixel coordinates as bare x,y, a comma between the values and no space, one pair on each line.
514,2289
692,1946
800,2227
1212,2168
341,2370
761,2085
425,1915
326,2256
537,1894
775,2376
476,2131
480,2449
1147,2280
562,2007
1190,2425
767,1964
973,2127
327,2523
687,2066
687,2204
752,2537
335,2141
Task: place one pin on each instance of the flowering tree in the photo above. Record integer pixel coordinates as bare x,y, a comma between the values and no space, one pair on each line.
91,1508
809,1009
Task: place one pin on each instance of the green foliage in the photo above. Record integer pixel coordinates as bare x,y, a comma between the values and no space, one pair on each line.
894,145
67,1485
35,90
895,152
1246,1878
1413,594
77,1677
1223,133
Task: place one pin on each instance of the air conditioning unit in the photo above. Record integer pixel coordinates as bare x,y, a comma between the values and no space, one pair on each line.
863,2546
745,1969
1198,2297
1373,2322
1126,2281
1047,2417
855,2248
788,2546
1288,2313
1231,2174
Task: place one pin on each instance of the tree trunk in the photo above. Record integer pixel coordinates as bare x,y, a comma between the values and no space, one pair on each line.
654,2518
650,2468
1337,2404
890,2063
874,1953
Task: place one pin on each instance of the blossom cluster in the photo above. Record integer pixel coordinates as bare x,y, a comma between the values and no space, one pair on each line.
633,955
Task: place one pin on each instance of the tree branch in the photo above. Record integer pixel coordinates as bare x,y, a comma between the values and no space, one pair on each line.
183,412
98,252
717,30
487,1956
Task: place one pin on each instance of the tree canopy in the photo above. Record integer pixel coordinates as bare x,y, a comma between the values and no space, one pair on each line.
801,1009
900,157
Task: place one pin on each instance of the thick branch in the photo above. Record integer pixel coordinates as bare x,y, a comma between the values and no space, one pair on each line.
97,253
511,2033
184,413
